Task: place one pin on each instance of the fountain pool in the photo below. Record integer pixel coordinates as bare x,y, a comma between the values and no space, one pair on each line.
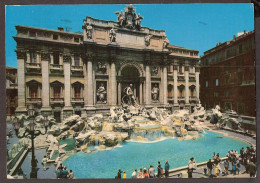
134,155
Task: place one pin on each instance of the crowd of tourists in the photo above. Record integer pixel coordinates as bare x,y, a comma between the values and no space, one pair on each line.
246,157
63,173
231,164
144,173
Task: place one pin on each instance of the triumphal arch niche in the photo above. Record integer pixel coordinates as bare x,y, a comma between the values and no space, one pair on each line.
124,54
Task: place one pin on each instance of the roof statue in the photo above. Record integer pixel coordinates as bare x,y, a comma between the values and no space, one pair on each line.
129,19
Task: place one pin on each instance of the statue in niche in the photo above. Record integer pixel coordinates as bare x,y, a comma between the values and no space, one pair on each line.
154,71
155,93
112,35
147,39
101,94
89,31
165,43
129,97
101,68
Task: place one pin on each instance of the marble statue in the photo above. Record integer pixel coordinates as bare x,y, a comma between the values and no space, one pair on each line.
147,39
154,71
89,31
155,93
112,35
129,19
101,94
101,68
137,21
129,97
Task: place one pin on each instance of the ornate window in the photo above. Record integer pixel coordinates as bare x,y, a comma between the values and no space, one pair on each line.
33,57
56,58
76,60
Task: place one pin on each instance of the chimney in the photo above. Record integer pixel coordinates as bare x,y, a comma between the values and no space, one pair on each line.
234,37
61,29
244,31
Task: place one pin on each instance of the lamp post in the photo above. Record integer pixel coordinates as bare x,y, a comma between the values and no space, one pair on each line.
32,133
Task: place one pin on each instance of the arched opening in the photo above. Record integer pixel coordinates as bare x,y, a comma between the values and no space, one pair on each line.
130,76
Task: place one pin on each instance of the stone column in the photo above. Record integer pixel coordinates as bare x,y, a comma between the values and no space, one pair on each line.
197,77
148,85
85,84
72,60
175,89
67,85
28,57
90,86
37,57
51,55
141,94
45,58
186,73
67,110
21,57
119,93
165,93
113,83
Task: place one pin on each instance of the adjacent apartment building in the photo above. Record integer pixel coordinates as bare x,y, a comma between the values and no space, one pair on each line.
64,73
228,75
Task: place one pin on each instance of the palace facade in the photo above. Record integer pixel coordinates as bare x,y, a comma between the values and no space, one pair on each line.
63,73
228,75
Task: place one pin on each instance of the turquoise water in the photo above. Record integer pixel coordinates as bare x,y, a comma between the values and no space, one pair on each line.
133,155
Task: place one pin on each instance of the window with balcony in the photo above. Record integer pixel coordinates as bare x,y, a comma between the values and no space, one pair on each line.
77,91
216,94
33,57
180,69
57,91
240,48
33,91
76,60
56,59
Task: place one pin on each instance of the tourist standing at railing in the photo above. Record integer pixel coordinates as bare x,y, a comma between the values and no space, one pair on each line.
159,170
71,175
145,174
191,167
242,155
214,156
124,175
210,166
226,167
151,172
166,167
134,174
140,174
251,168
119,174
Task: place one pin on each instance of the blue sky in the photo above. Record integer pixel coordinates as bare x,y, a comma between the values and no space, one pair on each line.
194,26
